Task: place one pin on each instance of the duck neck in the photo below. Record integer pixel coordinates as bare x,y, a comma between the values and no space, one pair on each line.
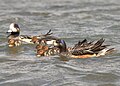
63,47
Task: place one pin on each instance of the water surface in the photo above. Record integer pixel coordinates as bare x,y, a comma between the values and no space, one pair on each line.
71,20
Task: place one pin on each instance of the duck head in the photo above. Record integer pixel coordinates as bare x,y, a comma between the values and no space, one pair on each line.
62,45
14,30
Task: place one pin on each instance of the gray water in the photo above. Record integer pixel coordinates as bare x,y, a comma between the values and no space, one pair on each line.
71,20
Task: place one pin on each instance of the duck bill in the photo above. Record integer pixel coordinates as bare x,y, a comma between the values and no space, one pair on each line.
9,31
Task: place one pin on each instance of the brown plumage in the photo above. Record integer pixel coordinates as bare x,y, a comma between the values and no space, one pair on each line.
85,49
14,42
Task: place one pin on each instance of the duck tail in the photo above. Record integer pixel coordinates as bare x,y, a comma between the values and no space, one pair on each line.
98,44
111,50
105,52
48,33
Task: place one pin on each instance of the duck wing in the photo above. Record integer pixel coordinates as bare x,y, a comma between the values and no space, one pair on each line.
25,37
98,46
82,52
85,47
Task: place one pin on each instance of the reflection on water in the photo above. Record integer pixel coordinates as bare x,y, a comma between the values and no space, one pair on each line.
13,51
71,20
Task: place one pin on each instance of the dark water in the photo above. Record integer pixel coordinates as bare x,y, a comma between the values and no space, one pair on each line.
71,20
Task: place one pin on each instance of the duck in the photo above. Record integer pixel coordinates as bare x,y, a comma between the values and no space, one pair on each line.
46,39
44,49
83,49
15,39
14,31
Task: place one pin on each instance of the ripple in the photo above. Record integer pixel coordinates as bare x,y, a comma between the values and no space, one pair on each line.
101,77
71,20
